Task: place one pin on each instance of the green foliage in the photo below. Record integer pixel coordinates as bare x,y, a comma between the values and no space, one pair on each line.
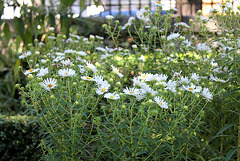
19,138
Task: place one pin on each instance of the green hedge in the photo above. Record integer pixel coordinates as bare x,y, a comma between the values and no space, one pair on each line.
19,138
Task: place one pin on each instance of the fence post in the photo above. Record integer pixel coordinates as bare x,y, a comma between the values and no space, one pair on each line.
130,7
119,6
110,7
139,4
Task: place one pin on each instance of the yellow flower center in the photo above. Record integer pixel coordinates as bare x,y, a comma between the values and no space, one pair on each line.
144,76
111,96
50,85
159,49
190,88
24,54
66,73
160,103
158,2
88,78
223,3
131,92
58,58
103,89
30,70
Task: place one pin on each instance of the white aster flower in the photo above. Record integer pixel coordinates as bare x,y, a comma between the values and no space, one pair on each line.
177,74
102,88
112,96
216,79
148,89
69,40
195,77
129,23
99,79
207,94
173,36
171,85
70,51
141,94
82,69
161,77
31,71
147,77
66,62
92,67
49,83
132,91
66,72
142,58
183,24
43,61
51,37
87,78
192,88
99,37
109,17
187,43
225,4
158,49
81,60
101,49
157,3
115,70
42,72
202,46
184,80
51,28
24,55
161,102
75,36
143,15
81,53
212,10
57,59
136,81
105,56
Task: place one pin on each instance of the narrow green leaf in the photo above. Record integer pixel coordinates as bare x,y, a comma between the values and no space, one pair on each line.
230,154
216,158
123,149
6,31
52,19
225,128
28,36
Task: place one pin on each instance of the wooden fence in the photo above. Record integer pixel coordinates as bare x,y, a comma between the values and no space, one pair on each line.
185,7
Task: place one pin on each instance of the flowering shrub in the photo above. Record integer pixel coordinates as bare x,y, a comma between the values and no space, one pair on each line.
145,102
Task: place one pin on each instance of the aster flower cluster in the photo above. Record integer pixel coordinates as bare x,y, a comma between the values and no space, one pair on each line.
136,86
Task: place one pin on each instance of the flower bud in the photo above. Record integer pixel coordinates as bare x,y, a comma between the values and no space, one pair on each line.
190,21
199,12
52,97
74,84
104,26
117,22
123,106
17,85
91,37
20,67
30,76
